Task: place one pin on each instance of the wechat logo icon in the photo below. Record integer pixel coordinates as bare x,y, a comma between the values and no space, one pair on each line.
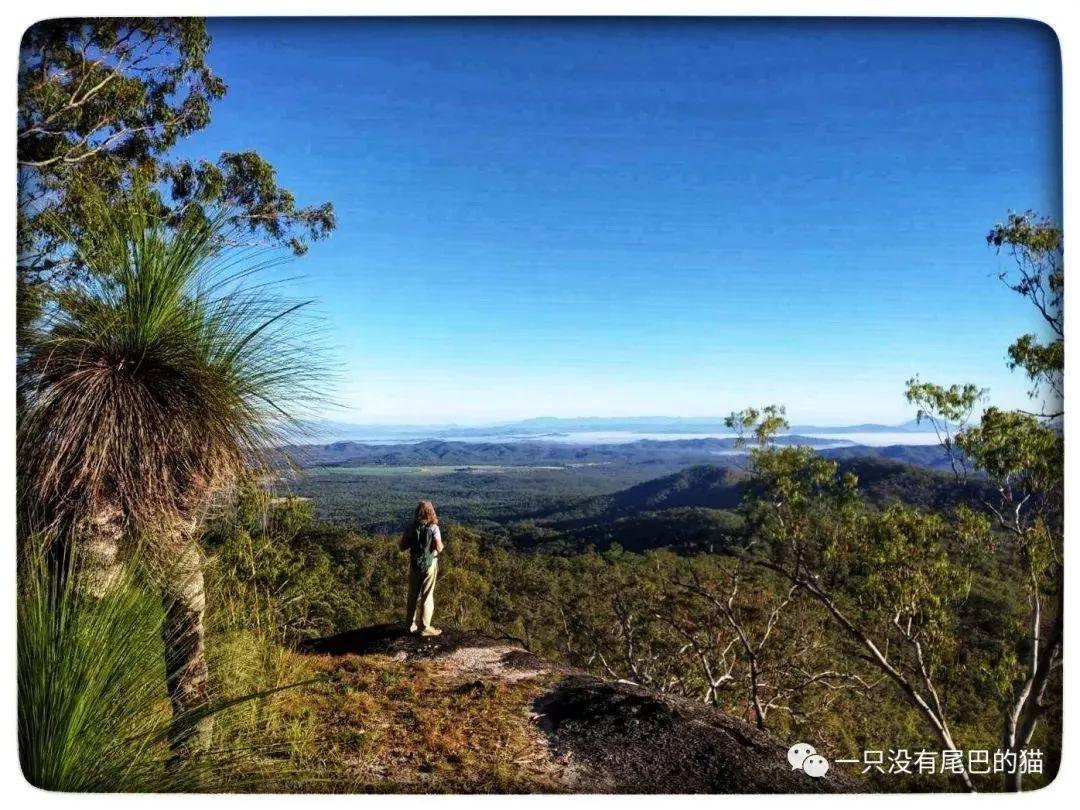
804,757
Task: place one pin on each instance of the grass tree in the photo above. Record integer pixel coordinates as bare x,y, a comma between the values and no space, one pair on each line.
148,389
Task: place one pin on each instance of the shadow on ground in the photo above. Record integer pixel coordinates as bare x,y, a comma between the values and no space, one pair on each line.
396,640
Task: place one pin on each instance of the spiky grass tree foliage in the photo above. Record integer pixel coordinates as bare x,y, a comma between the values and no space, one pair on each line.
93,714
90,683
149,388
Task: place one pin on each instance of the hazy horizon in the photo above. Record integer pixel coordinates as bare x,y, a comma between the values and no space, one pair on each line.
605,430
482,423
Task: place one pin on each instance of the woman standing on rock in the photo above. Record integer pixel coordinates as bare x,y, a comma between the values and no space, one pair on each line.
423,541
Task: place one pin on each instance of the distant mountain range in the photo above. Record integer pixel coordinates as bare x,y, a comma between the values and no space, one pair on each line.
881,481
551,426
677,424
534,453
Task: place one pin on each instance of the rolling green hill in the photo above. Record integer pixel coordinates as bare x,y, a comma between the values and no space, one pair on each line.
691,509
710,486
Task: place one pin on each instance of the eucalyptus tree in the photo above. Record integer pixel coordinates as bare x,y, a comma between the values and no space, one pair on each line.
102,103
890,580
1021,452
783,663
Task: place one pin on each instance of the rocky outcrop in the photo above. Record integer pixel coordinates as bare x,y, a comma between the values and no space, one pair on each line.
636,741
607,736
393,640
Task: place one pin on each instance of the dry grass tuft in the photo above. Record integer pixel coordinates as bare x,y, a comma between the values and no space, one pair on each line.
381,725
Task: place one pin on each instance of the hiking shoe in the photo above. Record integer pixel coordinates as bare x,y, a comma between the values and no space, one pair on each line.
412,627
430,631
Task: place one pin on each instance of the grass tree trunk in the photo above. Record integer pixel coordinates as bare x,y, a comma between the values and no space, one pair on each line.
98,565
183,633
99,568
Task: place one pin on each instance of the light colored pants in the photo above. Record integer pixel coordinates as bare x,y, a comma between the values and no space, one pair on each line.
422,595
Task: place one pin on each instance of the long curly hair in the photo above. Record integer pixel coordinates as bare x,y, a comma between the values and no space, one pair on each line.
425,513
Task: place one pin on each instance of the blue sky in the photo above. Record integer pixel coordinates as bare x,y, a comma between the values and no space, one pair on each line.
625,218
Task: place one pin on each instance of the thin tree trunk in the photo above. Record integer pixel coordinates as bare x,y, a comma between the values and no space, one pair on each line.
876,657
183,633
755,686
1011,782
1020,721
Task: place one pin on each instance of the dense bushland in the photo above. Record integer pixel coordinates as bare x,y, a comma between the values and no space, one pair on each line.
720,627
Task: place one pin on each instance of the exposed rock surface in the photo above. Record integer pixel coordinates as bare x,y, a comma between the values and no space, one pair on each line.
604,736
638,741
